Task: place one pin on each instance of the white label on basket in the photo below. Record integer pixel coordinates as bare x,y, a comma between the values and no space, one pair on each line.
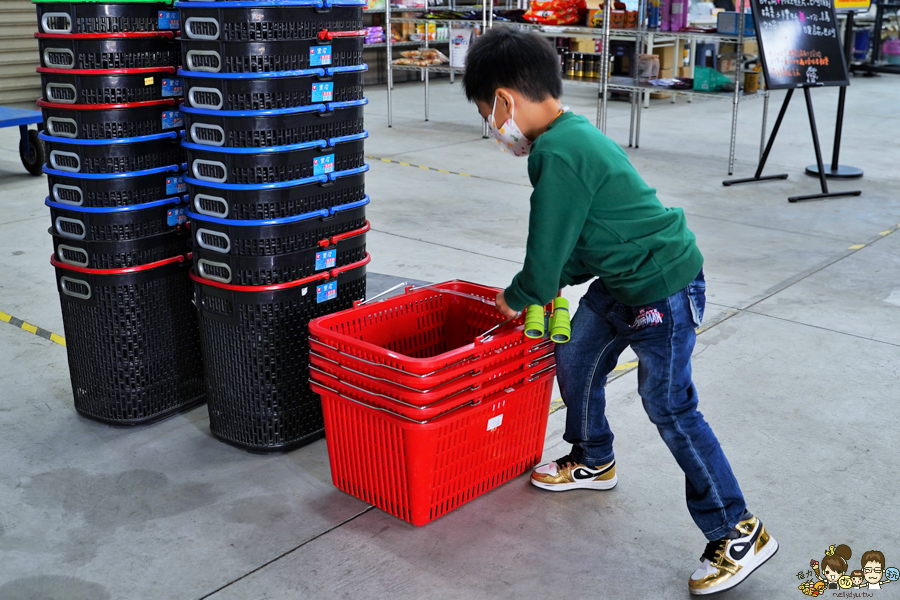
326,291
168,19
494,422
320,56
323,164
172,87
326,259
172,119
175,185
323,92
175,216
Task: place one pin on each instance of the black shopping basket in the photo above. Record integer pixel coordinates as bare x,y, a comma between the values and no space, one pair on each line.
132,341
284,55
91,17
109,86
276,127
119,155
277,200
275,89
255,343
110,121
279,250
120,254
266,21
114,189
85,51
117,224
275,163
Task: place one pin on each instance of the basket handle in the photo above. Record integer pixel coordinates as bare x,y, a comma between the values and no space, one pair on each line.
390,412
374,364
343,236
45,22
64,280
351,266
327,36
471,373
201,268
85,261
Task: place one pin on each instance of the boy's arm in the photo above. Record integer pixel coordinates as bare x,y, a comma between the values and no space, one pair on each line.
559,207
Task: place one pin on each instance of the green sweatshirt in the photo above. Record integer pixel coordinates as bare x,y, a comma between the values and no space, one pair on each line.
592,215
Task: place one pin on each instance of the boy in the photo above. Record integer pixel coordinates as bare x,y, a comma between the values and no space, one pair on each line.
592,216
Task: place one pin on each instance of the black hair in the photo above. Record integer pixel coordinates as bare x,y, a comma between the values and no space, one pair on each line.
507,58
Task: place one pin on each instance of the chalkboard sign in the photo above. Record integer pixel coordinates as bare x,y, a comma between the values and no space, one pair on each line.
799,44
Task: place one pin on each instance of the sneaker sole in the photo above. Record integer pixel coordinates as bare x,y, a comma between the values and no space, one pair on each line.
744,573
577,485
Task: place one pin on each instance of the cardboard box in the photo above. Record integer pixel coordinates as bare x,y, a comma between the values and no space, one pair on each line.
727,22
666,57
581,44
684,72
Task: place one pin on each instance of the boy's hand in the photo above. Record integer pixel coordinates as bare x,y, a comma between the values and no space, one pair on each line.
504,308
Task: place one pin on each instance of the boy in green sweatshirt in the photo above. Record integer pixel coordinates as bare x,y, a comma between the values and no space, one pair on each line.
593,217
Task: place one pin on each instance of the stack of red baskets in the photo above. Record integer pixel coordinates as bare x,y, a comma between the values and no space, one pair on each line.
111,131
430,398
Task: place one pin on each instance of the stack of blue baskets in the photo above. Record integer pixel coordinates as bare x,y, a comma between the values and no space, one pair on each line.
117,207
274,140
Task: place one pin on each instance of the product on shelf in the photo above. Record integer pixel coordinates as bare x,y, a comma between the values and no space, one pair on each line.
422,57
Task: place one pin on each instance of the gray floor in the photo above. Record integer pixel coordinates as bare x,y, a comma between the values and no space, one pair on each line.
796,368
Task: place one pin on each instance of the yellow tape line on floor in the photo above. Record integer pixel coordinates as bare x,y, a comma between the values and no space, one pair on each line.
397,162
26,326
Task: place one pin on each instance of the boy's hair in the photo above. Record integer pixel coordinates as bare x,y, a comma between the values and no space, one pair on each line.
857,573
506,58
873,556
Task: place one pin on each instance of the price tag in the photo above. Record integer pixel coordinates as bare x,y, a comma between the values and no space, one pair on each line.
323,92
326,291
326,259
168,19
172,87
175,216
175,185
319,56
323,164
148,80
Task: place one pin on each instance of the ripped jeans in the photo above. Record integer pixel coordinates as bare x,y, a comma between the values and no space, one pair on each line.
662,335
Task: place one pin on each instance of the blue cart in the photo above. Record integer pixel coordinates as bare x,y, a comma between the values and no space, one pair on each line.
31,150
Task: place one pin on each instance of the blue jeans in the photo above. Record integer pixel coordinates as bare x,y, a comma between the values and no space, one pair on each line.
662,335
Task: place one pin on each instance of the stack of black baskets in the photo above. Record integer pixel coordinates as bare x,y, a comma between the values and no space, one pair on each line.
118,209
273,112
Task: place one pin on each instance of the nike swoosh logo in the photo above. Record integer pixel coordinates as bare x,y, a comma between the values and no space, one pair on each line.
739,550
581,473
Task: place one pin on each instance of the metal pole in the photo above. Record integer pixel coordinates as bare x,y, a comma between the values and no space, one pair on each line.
848,54
390,56
762,137
631,122
604,64
737,88
815,136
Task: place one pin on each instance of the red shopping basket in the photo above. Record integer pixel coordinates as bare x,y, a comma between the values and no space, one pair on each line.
435,332
420,470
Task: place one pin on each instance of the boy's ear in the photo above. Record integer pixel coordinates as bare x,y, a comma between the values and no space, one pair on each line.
504,96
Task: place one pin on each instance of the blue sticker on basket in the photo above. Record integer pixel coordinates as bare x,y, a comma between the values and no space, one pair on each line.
327,259
323,164
172,87
320,56
323,92
326,291
168,19
175,185
172,119
175,216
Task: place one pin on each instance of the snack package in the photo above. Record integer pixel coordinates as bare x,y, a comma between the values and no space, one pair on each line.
556,12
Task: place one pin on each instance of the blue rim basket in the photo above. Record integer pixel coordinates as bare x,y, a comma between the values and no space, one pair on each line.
255,343
272,90
115,189
275,163
276,200
119,155
279,250
276,127
120,223
132,340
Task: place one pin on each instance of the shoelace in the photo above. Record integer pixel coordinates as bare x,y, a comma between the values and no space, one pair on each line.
714,550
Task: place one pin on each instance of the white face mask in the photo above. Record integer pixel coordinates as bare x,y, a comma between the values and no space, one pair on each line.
509,136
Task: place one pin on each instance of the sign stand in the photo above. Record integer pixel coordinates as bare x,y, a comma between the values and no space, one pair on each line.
815,136
835,170
800,48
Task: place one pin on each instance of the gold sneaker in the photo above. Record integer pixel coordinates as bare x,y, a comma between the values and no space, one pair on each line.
727,562
566,474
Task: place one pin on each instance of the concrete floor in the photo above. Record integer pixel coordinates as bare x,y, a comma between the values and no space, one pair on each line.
796,368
